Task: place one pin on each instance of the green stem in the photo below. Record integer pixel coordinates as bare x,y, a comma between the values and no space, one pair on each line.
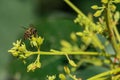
114,71
73,6
63,53
116,33
110,28
67,57
72,53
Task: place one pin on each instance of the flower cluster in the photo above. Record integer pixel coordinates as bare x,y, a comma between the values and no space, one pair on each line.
101,9
19,50
93,33
34,65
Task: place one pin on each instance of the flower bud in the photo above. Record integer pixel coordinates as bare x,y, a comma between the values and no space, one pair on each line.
94,7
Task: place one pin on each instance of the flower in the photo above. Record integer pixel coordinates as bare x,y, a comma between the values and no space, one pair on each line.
104,1
66,46
17,44
113,7
62,77
22,48
98,13
33,66
73,36
72,63
40,40
67,70
15,50
36,64
19,50
51,77
36,41
33,41
94,7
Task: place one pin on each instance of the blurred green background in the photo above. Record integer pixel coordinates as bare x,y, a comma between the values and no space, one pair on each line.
53,20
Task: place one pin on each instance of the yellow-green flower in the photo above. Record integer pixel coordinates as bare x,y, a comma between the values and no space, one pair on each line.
113,7
62,77
33,66
36,41
66,46
19,50
98,13
22,48
51,77
36,64
104,1
67,70
40,40
15,50
72,63
33,41
94,7
73,36
17,44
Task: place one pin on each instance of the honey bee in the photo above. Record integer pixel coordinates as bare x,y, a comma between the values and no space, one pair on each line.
29,32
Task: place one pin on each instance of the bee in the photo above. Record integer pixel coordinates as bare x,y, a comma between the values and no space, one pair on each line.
31,30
